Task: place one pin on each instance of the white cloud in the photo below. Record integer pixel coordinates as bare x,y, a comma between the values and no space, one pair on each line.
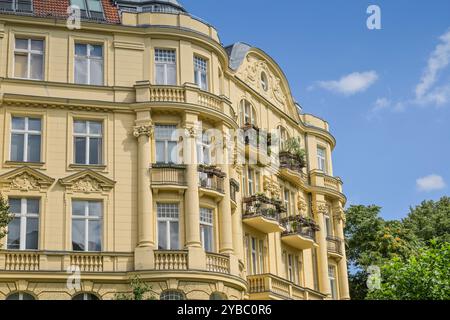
350,84
381,103
430,183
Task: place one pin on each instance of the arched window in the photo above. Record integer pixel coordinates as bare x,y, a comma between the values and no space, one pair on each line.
85,296
20,296
248,114
218,296
172,295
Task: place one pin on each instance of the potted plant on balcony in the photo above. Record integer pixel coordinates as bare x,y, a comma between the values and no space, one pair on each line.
292,154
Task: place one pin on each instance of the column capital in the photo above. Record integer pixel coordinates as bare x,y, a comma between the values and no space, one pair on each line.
144,130
320,207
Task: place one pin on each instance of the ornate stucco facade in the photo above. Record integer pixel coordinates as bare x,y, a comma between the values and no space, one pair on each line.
88,126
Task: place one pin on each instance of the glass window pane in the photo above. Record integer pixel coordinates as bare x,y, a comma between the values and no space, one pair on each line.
96,51
81,49
21,65
96,72
17,145
22,44
78,208
15,205
95,235
18,123
80,150
14,234
81,75
78,235
174,237
34,148
95,151
33,206
95,208
160,80
204,85
171,74
34,124
95,127
172,151
94,5
160,151
37,45
208,234
32,233
80,127
162,235
37,66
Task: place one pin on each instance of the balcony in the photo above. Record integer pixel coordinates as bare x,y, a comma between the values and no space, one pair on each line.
334,246
271,287
300,232
291,168
263,213
211,181
256,142
168,176
332,186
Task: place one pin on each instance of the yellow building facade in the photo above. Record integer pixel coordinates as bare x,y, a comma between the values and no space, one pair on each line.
136,144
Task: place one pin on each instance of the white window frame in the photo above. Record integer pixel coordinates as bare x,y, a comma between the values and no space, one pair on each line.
89,58
250,184
26,133
88,136
165,65
204,146
87,217
88,10
24,215
248,113
168,221
333,282
287,201
200,69
322,159
167,156
206,222
28,52
328,225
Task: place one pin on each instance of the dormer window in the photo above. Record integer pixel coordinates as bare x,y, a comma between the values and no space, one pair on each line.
90,9
16,5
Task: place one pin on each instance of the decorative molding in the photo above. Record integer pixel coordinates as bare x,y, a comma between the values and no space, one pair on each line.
339,214
321,207
128,45
272,187
87,181
25,179
144,130
302,206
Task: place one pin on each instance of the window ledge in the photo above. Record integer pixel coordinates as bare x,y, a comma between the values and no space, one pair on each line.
24,164
98,167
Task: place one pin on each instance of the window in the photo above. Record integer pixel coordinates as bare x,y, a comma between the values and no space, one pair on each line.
315,268
248,113
29,59
85,296
264,81
91,9
88,142
172,295
20,296
87,225
89,64
284,136
328,225
165,67
206,229
321,159
292,268
217,296
333,284
23,230
166,144
204,149
201,73
25,139
253,178
287,201
168,226
255,263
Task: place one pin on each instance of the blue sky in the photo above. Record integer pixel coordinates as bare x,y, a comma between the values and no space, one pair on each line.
385,93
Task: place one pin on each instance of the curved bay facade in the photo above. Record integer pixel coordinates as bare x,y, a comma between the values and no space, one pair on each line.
139,145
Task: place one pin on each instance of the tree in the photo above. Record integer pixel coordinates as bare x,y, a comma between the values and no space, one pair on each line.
5,216
430,220
139,291
425,276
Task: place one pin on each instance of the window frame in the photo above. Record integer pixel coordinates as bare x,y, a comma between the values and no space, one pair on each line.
255,254
322,159
88,58
88,136
332,276
169,292
28,52
87,218
168,222
207,225
199,72
166,141
87,10
26,133
166,65
24,216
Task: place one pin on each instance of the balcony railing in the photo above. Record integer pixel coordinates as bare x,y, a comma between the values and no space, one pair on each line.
291,162
302,226
269,286
211,178
171,260
261,205
334,245
217,263
169,174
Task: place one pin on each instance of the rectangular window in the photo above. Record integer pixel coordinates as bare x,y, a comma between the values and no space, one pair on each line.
165,67
287,201
315,269
29,59
166,144
16,5
333,284
206,229
23,230
256,254
88,142
201,73
321,159
261,257
204,150
91,9
88,64
328,226
292,268
168,226
25,139
251,187
87,225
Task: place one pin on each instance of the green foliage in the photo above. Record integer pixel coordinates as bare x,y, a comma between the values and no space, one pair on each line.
430,220
293,146
139,291
425,276
5,216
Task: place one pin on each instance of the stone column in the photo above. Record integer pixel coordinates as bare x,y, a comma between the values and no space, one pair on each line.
225,220
320,208
339,218
143,131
